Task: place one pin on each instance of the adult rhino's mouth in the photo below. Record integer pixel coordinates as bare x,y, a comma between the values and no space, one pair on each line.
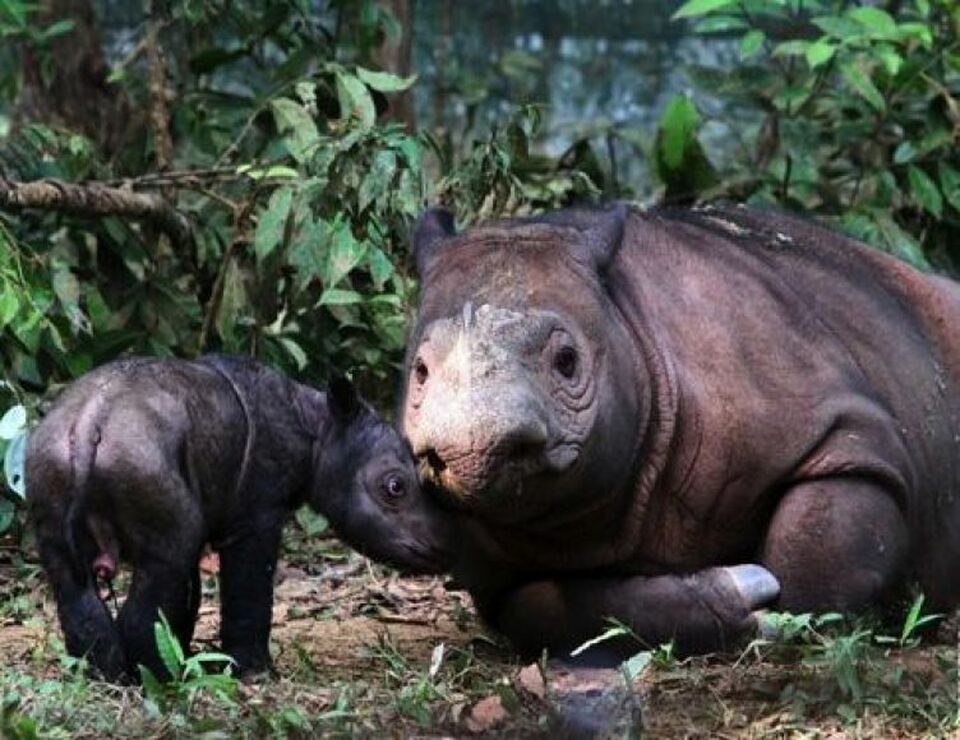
469,479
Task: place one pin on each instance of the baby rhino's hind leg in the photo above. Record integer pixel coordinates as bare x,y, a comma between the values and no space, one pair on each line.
836,545
89,630
169,537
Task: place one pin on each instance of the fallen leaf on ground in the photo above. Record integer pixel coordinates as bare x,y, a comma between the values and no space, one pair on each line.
486,714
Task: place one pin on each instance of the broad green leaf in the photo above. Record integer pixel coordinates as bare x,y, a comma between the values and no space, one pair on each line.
950,184
13,422
309,252
297,126
924,191
838,27
345,254
9,305
338,297
878,22
385,81
693,8
678,126
380,267
820,52
751,42
13,464
272,222
862,84
355,100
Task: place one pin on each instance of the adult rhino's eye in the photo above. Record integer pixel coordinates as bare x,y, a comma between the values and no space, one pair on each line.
565,362
394,486
420,372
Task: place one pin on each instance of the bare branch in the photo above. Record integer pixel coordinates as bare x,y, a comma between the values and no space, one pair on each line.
96,200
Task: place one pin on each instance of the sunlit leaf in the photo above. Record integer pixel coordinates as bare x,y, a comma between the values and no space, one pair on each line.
693,8
820,52
355,100
338,297
878,21
385,81
272,223
297,126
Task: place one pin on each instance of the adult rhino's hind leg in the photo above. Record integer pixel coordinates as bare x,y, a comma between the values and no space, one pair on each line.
700,612
837,544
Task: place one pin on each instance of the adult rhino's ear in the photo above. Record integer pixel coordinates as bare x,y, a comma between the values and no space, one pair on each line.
435,226
344,401
602,231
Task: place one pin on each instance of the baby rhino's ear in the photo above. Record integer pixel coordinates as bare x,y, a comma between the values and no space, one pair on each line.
344,402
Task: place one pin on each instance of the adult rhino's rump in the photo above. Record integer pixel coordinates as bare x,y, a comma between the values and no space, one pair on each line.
629,402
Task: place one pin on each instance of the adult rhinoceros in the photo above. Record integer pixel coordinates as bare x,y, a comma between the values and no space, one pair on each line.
635,406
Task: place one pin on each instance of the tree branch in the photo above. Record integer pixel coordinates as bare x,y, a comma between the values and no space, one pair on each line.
96,200
157,86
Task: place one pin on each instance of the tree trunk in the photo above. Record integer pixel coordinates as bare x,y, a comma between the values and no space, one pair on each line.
394,56
73,92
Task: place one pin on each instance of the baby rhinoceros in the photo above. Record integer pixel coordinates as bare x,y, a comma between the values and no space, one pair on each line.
147,460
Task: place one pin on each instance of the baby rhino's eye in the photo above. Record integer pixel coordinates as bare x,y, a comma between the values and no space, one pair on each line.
394,486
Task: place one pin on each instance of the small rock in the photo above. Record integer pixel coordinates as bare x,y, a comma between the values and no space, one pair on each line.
531,681
486,714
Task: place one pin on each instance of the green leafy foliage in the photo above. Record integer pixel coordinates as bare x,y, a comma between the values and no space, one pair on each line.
187,677
852,111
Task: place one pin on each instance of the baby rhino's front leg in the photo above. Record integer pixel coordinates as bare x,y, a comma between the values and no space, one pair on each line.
703,611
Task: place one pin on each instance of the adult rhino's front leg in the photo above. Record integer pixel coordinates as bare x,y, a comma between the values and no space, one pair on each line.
700,612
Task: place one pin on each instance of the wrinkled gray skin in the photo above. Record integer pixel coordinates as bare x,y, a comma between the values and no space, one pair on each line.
146,460
675,418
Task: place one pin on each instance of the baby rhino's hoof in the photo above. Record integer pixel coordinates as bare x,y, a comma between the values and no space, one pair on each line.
756,585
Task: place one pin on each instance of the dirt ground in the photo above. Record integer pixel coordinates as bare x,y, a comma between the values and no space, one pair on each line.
360,651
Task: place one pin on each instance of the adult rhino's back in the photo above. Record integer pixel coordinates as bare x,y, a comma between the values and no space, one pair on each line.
807,354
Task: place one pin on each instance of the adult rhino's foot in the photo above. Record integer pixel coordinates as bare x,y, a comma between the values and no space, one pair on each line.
712,609
756,585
